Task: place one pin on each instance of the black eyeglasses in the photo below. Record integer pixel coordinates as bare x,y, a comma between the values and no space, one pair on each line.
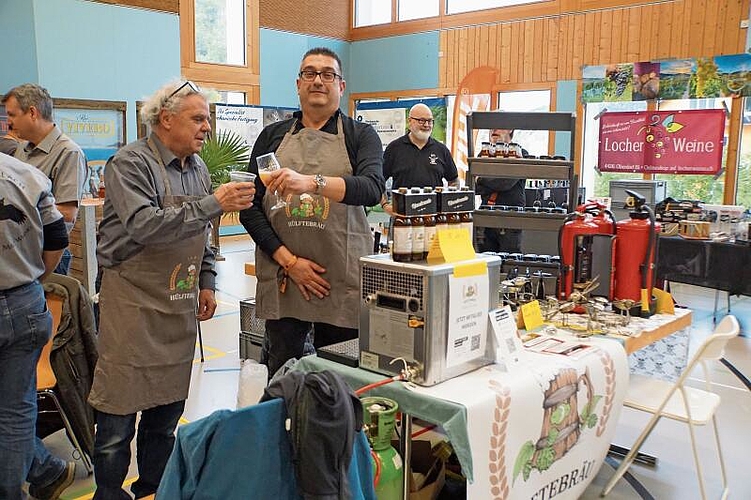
422,121
308,75
192,86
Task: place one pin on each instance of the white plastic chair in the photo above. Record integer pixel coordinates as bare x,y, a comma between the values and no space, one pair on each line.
679,402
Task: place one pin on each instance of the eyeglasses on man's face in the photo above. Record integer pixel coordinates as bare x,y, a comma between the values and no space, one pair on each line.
422,121
192,86
309,75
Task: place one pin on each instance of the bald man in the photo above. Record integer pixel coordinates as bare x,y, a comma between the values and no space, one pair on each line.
416,159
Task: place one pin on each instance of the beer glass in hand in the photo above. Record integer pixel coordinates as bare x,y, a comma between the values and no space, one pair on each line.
266,164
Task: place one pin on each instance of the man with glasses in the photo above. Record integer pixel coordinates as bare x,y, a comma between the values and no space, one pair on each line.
307,256
157,282
29,110
44,146
416,159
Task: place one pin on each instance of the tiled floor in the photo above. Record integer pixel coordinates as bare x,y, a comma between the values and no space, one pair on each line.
214,386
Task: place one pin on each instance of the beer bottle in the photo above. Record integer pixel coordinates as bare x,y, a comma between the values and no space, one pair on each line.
402,232
418,237
430,232
485,151
466,222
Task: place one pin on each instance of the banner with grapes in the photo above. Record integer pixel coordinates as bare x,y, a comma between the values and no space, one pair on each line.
720,76
664,142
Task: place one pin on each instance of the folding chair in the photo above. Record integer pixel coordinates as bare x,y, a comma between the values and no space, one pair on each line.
679,402
47,382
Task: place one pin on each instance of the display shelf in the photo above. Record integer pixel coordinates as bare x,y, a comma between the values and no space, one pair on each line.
521,168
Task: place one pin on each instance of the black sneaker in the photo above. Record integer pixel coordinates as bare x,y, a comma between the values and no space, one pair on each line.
53,490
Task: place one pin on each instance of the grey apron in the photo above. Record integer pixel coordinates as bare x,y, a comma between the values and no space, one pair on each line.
331,234
147,332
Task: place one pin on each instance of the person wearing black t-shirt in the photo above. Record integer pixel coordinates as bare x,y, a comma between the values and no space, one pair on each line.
416,159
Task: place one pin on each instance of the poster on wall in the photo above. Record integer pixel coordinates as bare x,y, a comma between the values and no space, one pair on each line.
704,77
664,142
99,133
248,121
390,118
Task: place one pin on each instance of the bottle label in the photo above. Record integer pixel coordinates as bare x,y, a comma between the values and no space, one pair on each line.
418,239
402,240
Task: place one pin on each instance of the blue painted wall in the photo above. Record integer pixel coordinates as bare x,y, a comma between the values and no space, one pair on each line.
399,62
19,48
88,50
281,53
565,101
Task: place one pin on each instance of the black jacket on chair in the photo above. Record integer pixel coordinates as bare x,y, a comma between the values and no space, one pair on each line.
74,355
324,416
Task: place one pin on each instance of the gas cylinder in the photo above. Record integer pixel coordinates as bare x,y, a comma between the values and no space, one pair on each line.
636,250
388,470
575,244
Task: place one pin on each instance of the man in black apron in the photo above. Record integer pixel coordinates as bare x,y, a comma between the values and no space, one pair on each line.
308,252
157,266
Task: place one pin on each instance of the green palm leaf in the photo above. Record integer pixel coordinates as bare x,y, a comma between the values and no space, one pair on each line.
222,153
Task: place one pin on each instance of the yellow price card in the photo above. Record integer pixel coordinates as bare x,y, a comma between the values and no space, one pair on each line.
451,245
531,315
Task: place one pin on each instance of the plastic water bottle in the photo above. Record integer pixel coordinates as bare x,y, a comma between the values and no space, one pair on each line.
252,382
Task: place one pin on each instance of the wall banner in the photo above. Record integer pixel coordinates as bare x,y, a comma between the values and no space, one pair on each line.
389,118
703,77
662,142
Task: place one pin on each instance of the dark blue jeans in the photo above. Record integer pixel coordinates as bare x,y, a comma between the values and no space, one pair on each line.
286,339
25,326
156,437
64,265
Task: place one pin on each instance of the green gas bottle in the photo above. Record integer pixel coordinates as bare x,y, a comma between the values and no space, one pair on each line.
388,470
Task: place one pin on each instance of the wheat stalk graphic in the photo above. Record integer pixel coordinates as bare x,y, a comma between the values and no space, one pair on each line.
497,455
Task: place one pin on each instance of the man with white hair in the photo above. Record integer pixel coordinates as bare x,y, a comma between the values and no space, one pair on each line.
416,159
154,230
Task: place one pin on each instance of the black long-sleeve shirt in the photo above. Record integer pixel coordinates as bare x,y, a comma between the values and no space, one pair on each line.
364,187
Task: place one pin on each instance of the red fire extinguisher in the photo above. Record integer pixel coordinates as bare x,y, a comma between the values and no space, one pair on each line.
636,251
575,244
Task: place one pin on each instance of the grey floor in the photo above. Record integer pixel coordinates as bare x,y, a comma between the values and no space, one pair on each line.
214,386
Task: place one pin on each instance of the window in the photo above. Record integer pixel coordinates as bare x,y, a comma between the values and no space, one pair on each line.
370,12
599,184
534,141
706,188
416,9
458,6
228,97
743,189
220,31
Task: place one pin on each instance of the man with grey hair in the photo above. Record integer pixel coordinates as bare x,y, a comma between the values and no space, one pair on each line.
29,110
152,244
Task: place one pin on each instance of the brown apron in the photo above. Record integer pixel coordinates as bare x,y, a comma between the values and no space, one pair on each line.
331,234
147,331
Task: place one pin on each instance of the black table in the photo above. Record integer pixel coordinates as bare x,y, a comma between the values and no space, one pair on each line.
718,265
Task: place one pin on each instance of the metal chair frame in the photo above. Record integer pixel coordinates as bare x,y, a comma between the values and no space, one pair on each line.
679,402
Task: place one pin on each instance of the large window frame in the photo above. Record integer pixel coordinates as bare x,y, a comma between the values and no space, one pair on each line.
226,77
546,8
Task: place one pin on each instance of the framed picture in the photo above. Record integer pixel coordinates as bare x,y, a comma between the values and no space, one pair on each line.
98,127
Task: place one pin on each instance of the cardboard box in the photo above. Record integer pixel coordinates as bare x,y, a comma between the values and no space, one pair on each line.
414,203
456,201
423,462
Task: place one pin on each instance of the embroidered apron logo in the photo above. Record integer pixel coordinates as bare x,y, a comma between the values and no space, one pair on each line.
307,211
186,284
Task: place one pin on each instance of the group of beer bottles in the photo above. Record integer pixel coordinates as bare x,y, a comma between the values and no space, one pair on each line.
413,235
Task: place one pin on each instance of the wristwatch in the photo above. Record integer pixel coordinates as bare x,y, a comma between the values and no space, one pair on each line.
320,183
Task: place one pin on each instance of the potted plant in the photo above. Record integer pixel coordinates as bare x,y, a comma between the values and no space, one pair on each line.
223,152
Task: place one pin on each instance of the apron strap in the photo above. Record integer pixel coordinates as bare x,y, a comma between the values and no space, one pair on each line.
165,179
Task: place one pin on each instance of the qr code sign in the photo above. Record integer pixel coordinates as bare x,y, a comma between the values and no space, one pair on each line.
475,343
